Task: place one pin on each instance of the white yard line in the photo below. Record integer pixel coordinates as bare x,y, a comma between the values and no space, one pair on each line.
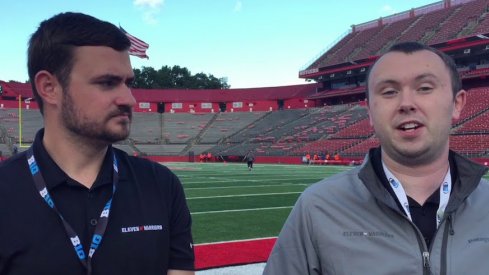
240,210
237,241
246,186
220,179
243,195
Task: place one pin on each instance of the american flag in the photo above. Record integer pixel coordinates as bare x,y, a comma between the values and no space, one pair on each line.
138,47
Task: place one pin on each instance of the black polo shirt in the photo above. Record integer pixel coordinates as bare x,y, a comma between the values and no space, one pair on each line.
149,228
423,216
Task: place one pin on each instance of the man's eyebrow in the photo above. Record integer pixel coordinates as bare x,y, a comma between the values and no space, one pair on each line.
386,81
417,78
106,77
426,75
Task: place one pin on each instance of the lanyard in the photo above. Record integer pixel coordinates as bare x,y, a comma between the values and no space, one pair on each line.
445,189
102,220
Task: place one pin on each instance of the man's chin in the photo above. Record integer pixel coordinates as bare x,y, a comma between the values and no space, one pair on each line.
115,136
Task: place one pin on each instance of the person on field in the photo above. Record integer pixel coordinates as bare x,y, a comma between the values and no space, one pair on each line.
250,159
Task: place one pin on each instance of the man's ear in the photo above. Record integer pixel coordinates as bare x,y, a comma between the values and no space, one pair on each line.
368,113
48,87
459,103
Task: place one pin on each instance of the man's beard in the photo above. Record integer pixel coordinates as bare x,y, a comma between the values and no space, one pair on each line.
96,131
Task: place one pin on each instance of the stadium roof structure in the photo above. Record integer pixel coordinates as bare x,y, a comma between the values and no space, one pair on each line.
14,89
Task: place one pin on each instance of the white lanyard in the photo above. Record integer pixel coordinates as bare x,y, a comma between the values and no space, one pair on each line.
445,189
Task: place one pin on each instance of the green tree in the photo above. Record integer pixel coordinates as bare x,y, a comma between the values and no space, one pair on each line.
176,77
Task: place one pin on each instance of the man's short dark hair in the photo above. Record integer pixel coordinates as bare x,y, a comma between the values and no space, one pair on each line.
51,47
412,47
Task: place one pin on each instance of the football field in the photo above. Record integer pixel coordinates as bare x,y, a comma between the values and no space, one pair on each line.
228,202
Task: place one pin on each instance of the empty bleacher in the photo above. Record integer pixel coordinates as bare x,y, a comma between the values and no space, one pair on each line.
470,145
327,146
360,129
360,149
431,24
180,128
227,124
161,149
361,38
126,148
477,102
30,122
146,127
389,33
478,124
462,16
259,129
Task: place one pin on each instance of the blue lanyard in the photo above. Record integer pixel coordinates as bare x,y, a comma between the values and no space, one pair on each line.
102,220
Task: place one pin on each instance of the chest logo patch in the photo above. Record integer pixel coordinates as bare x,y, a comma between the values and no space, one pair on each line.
140,228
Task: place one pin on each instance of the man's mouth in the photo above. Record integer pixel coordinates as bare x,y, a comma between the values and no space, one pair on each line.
409,126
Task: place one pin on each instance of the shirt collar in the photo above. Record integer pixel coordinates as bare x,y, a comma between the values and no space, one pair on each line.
376,159
53,175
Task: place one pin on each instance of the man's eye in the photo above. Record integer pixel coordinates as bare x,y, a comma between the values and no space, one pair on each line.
130,83
425,88
389,92
107,83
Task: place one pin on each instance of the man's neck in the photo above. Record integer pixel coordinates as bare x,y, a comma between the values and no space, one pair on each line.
419,182
80,160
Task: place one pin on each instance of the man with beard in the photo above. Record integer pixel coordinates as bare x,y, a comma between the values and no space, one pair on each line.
71,203
414,206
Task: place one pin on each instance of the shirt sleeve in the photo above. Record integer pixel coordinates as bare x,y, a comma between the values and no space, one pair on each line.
294,251
181,243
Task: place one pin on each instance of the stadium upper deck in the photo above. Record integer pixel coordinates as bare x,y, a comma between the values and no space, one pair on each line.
458,27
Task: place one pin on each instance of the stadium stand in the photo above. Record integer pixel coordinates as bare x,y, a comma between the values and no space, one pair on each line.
126,148
161,149
478,124
180,128
462,16
258,130
227,124
326,116
477,102
146,128
390,32
470,145
360,149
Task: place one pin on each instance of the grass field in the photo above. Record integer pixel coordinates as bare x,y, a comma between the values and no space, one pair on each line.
228,202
